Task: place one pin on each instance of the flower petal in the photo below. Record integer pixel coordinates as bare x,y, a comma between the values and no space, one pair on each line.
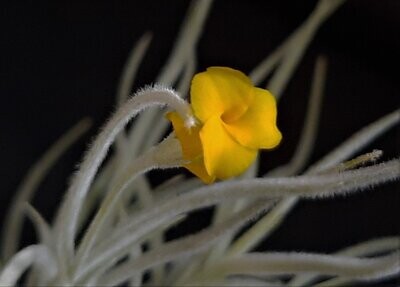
257,127
220,91
223,156
191,147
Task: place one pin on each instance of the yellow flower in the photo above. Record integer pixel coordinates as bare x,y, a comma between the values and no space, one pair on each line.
235,120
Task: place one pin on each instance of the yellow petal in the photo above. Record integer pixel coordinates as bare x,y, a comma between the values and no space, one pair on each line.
191,147
223,156
257,127
197,167
220,91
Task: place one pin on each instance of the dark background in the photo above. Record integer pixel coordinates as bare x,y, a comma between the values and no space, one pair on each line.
60,61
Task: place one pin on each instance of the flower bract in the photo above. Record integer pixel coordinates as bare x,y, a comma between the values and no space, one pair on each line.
235,120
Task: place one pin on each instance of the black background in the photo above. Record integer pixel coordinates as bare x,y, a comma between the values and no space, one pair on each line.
60,61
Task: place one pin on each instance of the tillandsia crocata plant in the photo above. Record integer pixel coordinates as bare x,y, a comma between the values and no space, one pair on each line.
111,226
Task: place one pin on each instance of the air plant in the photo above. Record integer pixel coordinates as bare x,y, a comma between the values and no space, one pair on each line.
110,227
